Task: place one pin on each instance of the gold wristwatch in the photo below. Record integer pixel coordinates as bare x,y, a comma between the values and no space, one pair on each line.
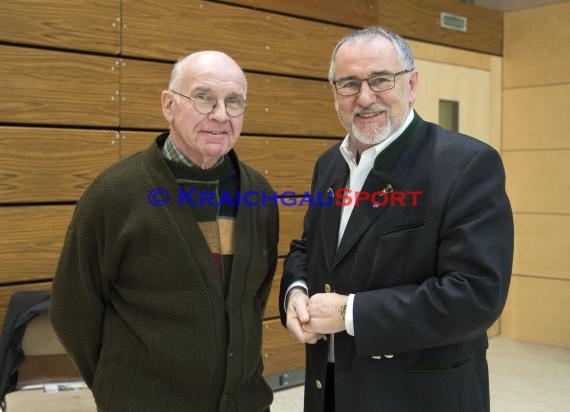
343,311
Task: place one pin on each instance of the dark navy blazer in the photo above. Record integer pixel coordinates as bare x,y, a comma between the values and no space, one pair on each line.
428,279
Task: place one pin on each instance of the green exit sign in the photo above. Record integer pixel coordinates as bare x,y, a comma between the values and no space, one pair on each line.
452,21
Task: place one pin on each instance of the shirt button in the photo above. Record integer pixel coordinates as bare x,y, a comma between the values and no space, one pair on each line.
225,397
231,355
318,384
328,288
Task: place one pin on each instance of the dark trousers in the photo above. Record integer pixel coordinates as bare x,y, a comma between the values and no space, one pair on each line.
329,389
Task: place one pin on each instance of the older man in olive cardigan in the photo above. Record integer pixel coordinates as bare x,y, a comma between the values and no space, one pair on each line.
155,299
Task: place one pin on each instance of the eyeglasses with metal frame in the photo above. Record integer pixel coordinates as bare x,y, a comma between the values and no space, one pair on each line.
235,106
377,83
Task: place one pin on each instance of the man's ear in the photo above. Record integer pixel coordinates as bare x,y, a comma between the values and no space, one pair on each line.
167,100
413,86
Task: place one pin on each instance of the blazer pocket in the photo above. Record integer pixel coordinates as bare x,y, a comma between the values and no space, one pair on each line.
402,230
442,366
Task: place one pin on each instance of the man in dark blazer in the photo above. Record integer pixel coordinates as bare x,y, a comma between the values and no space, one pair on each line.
406,254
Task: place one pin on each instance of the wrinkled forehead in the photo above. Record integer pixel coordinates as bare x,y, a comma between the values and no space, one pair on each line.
214,72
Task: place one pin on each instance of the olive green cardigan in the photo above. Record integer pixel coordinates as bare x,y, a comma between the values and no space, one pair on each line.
137,302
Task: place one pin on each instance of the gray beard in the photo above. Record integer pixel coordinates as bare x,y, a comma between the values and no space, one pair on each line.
372,134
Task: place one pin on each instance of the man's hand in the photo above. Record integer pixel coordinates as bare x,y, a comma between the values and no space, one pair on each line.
325,314
297,315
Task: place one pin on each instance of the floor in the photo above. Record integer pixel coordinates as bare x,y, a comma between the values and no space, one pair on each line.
524,377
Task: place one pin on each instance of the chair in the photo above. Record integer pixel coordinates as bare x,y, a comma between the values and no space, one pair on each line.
36,374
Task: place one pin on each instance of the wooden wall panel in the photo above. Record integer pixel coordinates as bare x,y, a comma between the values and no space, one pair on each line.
537,310
289,106
56,88
281,352
31,238
450,55
51,165
445,81
348,12
416,19
290,226
528,125
542,245
92,25
496,103
133,142
419,20
276,105
6,293
257,40
538,181
535,152
272,309
537,46
141,85
286,162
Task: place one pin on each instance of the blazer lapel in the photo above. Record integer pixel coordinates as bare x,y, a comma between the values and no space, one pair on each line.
389,174
330,222
364,215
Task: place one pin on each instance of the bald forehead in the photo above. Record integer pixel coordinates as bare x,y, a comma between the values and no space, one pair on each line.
214,63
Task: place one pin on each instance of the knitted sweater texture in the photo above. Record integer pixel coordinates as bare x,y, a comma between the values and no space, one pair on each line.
137,301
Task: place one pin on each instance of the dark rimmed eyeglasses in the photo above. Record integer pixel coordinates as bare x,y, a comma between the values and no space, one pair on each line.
235,105
378,83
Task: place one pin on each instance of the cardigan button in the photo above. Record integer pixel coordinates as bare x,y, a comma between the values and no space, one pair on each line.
328,288
318,384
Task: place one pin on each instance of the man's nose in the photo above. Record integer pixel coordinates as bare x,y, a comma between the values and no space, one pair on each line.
366,96
219,113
